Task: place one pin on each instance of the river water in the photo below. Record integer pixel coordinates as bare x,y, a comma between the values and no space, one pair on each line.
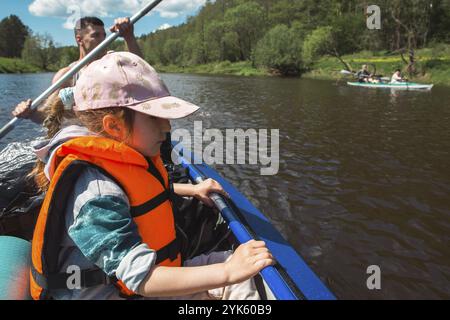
363,179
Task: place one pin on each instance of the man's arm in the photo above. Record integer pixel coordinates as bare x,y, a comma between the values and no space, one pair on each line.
23,109
133,46
59,75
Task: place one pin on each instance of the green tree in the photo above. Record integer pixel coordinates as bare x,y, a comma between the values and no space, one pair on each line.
440,21
67,55
215,48
12,36
192,50
317,43
287,11
280,49
247,21
232,51
343,37
40,51
149,52
118,45
231,29
412,21
172,50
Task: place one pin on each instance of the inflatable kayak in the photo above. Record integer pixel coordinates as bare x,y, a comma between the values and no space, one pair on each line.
402,86
290,279
15,259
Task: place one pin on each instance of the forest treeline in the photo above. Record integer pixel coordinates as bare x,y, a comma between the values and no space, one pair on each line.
286,36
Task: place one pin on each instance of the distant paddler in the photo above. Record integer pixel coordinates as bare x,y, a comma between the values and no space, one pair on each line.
397,77
364,76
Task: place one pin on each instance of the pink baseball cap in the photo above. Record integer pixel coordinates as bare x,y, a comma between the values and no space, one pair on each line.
123,79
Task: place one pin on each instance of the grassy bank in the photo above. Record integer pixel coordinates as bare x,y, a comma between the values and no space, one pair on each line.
433,65
8,65
243,68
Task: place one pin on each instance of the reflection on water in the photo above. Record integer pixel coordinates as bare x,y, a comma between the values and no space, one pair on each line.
363,176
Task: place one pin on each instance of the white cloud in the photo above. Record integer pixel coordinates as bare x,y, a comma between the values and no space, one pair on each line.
108,8
175,8
169,14
164,26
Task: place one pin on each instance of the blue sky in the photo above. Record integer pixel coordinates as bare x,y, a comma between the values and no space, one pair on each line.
56,16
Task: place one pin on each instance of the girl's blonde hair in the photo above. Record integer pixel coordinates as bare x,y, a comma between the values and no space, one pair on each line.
92,119
52,123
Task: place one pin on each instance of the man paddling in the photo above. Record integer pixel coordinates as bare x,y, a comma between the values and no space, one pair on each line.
363,75
89,33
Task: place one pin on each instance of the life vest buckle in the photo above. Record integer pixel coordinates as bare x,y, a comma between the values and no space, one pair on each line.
95,277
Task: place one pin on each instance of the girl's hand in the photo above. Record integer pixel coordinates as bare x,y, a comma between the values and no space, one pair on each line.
203,189
248,259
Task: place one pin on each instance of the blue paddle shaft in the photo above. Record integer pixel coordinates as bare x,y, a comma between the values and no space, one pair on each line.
269,273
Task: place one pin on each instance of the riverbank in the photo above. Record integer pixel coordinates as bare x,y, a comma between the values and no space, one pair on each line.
242,68
433,65
11,65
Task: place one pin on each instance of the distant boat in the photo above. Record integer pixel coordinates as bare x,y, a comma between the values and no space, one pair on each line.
401,85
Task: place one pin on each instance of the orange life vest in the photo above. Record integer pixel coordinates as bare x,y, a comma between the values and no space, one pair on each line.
146,186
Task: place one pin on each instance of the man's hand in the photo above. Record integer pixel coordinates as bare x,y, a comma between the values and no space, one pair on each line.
23,109
124,26
126,30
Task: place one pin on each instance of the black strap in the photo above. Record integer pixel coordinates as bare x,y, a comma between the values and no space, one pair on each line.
169,251
151,204
155,172
259,284
89,278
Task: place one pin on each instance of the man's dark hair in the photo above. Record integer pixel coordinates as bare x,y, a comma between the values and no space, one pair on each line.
398,70
86,21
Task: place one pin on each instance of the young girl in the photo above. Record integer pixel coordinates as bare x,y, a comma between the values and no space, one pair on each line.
106,228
